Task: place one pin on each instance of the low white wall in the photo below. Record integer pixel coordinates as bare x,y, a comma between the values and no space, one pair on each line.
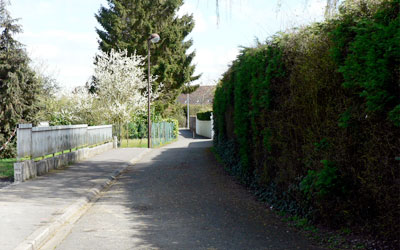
204,128
30,169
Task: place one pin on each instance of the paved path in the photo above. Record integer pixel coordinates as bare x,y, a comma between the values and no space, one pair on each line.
178,198
28,209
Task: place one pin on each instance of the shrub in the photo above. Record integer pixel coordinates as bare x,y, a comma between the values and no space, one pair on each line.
176,125
204,116
323,183
367,50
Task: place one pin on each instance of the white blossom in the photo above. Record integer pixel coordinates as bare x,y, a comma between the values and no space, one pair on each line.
122,85
122,92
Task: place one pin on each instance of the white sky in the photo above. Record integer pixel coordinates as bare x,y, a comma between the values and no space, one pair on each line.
61,33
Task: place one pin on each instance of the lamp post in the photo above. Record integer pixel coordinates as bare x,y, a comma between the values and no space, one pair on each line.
187,112
152,39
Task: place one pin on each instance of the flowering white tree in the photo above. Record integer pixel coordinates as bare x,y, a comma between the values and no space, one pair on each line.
121,82
121,94
76,107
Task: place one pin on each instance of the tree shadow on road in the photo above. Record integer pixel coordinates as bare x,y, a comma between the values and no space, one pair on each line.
186,133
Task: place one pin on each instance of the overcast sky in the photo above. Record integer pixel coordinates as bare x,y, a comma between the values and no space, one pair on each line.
61,33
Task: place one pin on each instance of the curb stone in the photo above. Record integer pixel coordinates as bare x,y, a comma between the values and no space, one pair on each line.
44,233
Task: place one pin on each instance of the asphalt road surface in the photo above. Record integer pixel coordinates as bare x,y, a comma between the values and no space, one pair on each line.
178,197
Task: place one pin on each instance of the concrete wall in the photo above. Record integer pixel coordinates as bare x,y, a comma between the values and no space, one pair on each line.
204,128
30,169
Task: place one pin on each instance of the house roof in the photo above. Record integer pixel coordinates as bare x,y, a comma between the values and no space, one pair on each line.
202,95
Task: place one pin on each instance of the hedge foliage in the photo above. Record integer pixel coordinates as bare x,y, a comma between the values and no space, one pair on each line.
311,119
176,125
204,116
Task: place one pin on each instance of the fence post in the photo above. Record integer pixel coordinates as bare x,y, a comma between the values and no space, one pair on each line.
212,125
159,133
24,140
163,132
86,137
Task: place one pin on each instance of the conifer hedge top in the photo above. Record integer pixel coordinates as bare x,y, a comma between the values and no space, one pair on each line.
127,24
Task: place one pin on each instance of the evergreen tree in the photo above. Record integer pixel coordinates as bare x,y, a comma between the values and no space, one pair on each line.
188,89
19,86
127,24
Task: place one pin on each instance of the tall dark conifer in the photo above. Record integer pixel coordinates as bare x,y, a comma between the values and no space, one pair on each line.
19,87
127,24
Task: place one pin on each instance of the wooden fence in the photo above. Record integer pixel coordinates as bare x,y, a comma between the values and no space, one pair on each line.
40,141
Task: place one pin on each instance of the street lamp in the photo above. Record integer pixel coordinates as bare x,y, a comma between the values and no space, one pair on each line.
152,39
187,111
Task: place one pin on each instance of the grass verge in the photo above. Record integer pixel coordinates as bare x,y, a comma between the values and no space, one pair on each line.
166,143
7,168
140,143
7,165
134,143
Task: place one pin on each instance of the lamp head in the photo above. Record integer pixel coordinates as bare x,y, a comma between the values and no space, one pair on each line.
154,38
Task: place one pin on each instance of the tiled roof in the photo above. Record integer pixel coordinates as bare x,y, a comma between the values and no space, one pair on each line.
203,95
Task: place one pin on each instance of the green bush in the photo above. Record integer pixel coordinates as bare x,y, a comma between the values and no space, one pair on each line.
204,116
367,50
322,184
326,91
179,111
176,125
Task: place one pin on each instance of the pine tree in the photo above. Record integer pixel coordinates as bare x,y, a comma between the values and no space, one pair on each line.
127,24
19,87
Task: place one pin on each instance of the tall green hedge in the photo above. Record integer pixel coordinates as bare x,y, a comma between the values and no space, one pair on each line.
311,119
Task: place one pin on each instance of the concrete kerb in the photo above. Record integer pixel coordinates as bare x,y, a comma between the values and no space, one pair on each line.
39,237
